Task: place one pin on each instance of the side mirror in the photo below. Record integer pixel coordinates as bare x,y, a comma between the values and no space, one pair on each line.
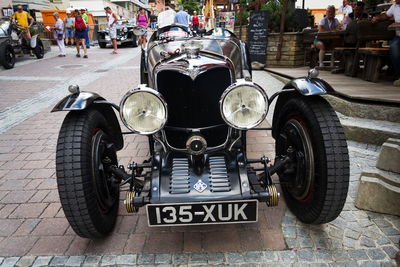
139,30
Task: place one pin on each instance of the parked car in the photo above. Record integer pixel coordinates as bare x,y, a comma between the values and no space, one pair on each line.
13,41
125,35
196,103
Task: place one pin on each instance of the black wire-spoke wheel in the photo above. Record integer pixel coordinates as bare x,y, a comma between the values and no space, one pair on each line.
88,193
7,55
103,156
315,180
295,141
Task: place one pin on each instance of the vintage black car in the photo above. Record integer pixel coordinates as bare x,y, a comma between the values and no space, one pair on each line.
196,104
13,41
125,35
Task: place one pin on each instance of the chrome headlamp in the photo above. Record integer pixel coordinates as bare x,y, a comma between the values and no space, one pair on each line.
143,110
244,105
125,29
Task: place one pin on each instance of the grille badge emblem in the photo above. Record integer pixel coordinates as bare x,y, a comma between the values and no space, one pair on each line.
200,186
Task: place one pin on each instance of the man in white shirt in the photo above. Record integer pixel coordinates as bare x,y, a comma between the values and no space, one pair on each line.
393,12
346,9
166,17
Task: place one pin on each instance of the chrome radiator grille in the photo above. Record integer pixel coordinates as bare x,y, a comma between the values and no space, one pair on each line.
219,179
180,178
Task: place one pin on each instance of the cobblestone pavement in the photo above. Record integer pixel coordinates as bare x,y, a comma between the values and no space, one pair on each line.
34,231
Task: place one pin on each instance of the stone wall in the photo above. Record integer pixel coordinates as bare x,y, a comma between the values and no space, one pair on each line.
243,37
292,50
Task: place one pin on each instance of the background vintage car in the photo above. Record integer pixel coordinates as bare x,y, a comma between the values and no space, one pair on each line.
13,42
125,35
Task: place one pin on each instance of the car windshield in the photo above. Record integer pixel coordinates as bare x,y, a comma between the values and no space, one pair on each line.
4,25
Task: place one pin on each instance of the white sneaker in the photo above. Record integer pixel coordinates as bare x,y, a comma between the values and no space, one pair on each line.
396,82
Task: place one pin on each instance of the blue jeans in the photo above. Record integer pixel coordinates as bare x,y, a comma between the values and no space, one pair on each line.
153,25
87,41
395,55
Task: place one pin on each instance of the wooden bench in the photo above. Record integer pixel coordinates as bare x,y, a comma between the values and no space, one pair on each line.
372,57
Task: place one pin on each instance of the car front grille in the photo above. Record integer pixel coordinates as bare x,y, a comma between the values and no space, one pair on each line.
194,104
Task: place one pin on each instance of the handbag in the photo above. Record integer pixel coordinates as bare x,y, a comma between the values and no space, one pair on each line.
60,36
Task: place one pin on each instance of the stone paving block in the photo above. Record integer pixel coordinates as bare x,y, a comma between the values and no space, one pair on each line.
75,261
358,254
9,261
369,264
218,257
42,261
323,255
352,234
58,261
366,242
163,258
181,259
306,243
146,259
25,261
349,242
305,255
125,260
292,243
287,256
341,255
234,257
108,260
376,254
253,256
391,251
92,261
270,256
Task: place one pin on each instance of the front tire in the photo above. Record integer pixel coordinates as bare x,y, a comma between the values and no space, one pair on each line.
102,44
88,195
39,49
134,40
7,56
315,182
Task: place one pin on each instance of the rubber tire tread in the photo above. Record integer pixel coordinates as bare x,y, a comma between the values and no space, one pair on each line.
74,175
331,159
3,62
37,53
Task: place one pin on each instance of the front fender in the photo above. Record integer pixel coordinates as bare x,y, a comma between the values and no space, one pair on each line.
88,100
309,86
76,101
33,41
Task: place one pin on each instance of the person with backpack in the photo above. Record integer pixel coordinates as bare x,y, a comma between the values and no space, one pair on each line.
80,33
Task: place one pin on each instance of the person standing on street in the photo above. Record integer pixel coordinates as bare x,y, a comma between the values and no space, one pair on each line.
22,17
80,28
86,19
58,33
112,25
153,20
195,22
182,17
143,20
393,12
69,22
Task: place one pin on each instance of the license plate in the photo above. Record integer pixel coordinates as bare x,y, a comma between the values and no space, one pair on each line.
237,211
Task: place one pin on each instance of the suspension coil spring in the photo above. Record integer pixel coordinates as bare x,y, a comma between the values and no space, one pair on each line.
130,208
274,199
